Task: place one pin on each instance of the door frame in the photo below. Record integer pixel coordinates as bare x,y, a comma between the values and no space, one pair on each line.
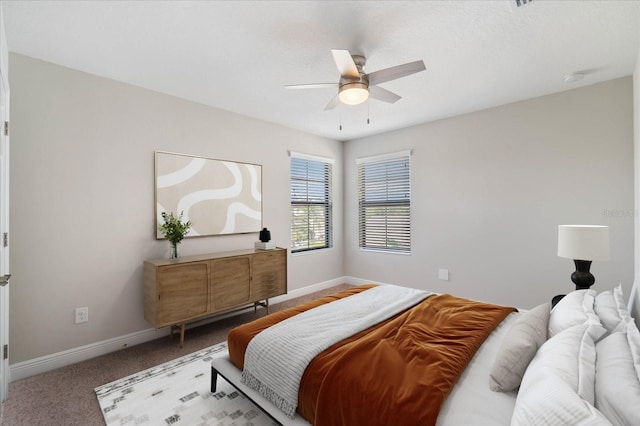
4,211
4,248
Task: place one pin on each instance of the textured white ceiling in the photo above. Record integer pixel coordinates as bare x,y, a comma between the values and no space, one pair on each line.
238,55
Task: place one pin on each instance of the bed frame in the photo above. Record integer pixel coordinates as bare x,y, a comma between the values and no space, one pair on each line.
224,367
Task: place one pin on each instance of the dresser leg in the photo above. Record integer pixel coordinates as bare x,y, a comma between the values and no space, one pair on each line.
179,328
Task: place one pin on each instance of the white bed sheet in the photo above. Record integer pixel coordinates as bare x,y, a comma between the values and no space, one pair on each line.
470,402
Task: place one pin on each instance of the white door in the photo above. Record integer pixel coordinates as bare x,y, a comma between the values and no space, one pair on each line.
4,233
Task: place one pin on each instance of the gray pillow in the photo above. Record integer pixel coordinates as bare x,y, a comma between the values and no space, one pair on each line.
520,344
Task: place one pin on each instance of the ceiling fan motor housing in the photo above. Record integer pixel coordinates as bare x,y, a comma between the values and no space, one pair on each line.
354,90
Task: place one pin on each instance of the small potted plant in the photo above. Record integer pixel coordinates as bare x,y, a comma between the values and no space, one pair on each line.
174,230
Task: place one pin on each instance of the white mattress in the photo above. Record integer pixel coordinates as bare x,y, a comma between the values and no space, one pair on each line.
470,402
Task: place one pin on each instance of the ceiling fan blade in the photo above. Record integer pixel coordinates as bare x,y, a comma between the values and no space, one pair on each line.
383,94
333,103
312,86
344,63
396,72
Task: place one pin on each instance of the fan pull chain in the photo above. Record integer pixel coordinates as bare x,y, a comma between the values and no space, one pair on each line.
368,111
340,120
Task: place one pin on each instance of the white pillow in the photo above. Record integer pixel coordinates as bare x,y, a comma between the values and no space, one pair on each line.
526,335
558,386
575,308
611,309
553,402
633,337
617,376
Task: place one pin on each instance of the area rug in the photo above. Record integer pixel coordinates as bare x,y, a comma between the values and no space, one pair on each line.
178,393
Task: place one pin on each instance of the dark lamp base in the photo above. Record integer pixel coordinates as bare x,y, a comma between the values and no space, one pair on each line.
582,278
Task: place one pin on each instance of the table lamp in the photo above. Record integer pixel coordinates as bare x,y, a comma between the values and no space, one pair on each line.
583,244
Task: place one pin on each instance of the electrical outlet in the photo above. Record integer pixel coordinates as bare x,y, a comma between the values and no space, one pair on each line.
82,315
443,274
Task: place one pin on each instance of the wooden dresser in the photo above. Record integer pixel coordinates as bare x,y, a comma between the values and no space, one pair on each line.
189,288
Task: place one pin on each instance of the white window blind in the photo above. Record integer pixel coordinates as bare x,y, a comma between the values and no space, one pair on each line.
311,204
384,193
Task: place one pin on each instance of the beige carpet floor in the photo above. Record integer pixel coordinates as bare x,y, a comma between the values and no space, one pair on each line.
65,396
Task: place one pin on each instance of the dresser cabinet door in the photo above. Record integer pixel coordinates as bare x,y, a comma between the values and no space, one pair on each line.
269,272
183,292
230,282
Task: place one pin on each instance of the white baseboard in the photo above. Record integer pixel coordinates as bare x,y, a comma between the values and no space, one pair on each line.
308,290
360,281
24,369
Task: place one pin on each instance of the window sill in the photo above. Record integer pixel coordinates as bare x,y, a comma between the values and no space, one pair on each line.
307,252
403,253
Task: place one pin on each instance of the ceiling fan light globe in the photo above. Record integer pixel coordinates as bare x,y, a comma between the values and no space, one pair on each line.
353,93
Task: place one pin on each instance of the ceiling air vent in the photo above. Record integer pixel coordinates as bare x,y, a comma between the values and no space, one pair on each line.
519,3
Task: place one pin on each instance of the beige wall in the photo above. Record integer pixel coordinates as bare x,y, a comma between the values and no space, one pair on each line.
489,189
82,203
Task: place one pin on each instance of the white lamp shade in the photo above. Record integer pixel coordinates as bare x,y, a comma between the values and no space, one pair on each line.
583,242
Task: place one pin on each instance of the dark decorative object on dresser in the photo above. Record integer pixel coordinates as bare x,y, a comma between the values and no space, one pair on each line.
265,235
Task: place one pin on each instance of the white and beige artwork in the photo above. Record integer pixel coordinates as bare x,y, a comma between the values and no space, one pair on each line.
218,197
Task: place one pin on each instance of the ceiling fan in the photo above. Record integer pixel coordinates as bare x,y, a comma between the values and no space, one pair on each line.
355,86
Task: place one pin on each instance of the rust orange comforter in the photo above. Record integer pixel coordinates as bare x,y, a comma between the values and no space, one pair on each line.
397,372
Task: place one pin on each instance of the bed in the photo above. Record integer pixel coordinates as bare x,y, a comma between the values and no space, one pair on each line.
548,355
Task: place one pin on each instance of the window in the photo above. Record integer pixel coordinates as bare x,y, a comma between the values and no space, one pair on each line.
311,226
384,208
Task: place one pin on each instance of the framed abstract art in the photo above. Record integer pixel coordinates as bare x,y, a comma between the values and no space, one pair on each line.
218,197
